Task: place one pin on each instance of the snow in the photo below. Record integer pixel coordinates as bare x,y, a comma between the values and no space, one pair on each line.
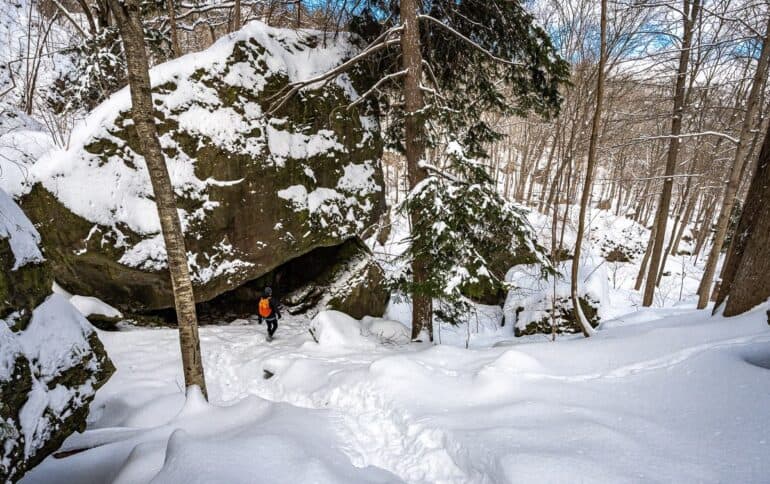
21,235
51,345
334,329
87,305
661,395
22,141
284,144
90,305
385,330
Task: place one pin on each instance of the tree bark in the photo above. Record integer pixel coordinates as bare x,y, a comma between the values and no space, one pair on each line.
128,17
731,192
746,282
585,199
237,15
691,12
414,141
176,50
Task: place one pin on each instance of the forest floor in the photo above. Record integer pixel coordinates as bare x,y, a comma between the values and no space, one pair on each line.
660,395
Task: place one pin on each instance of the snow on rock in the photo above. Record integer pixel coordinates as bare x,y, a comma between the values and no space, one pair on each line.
49,373
18,231
25,280
90,305
334,329
533,296
616,238
22,141
228,155
386,331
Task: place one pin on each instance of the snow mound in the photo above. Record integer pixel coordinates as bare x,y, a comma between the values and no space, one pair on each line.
22,141
386,331
334,329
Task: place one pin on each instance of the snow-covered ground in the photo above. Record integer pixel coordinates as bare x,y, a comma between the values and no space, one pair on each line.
661,395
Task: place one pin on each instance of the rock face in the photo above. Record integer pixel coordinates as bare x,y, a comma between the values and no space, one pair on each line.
534,306
256,189
51,360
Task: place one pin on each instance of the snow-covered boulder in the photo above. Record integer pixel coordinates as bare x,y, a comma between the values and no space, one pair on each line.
51,360
256,189
22,141
386,331
337,330
532,298
617,238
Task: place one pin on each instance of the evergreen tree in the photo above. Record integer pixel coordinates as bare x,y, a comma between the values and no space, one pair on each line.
471,59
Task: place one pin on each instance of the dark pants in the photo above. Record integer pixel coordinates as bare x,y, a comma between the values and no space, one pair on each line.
272,325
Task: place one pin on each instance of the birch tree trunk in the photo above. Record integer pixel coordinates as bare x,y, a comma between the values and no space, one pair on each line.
128,18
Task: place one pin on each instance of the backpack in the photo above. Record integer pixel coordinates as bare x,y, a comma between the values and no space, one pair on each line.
264,307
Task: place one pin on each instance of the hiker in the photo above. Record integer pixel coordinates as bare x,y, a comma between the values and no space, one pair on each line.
268,311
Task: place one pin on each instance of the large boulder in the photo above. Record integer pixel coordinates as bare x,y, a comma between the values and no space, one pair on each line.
51,360
256,189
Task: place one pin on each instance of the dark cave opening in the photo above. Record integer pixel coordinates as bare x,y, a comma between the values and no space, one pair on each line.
287,279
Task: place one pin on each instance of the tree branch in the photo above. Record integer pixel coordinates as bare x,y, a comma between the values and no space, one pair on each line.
469,41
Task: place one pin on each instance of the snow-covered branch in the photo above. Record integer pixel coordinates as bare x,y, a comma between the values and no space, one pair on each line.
382,42
377,86
685,135
469,41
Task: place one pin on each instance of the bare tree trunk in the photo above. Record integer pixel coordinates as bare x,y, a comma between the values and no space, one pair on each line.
547,171
585,325
645,260
691,12
414,132
237,15
731,192
746,282
685,220
704,227
175,49
128,17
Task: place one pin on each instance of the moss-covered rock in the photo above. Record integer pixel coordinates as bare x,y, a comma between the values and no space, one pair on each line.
565,320
22,289
256,188
541,303
51,360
